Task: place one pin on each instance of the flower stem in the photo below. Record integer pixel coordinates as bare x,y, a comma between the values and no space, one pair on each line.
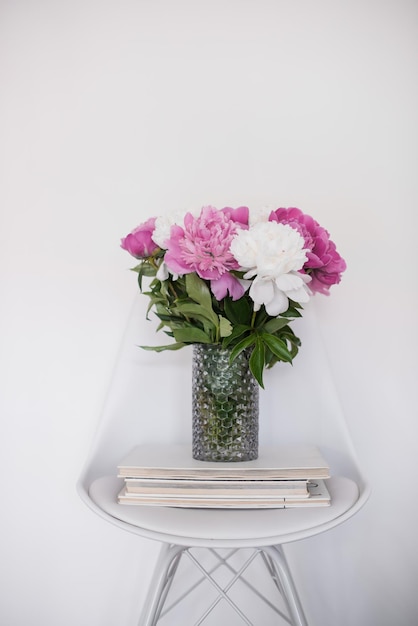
173,291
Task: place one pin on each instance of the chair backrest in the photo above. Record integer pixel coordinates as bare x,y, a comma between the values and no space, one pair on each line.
149,400
146,401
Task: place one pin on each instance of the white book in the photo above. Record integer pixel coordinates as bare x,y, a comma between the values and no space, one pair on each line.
214,488
318,496
291,462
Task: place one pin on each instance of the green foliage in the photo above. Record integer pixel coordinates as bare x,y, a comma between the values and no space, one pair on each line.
238,311
257,359
189,313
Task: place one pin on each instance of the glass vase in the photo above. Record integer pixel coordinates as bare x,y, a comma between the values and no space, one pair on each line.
225,406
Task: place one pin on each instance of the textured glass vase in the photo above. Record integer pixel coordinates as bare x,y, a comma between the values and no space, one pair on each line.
225,406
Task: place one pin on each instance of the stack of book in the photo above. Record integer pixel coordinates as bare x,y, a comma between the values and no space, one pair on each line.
282,477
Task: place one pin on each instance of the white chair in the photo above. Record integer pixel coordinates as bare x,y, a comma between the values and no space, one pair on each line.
125,423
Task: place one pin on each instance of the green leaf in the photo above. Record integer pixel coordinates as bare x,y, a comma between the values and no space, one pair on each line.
170,346
295,304
270,359
198,290
291,312
225,327
156,298
237,331
191,335
278,347
191,309
242,345
170,319
275,324
150,305
289,335
238,311
144,269
257,360
293,342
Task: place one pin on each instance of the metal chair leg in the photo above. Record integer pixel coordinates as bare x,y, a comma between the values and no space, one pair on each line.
286,585
164,572
273,558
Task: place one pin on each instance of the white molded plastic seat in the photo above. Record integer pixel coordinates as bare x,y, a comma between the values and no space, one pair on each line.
232,528
305,392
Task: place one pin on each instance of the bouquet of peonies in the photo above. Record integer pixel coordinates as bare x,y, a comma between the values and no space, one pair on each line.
234,278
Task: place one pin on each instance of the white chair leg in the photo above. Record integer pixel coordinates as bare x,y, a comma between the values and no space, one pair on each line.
164,572
286,585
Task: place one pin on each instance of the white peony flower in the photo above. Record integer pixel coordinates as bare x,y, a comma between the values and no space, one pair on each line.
272,253
261,214
163,273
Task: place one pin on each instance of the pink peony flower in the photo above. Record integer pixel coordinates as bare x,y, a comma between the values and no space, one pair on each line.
139,242
228,284
240,215
323,264
202,246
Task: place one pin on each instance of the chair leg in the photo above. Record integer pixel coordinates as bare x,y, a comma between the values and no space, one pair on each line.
165,569
164,572
283,579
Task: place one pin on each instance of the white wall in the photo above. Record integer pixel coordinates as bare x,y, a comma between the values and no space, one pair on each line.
115,111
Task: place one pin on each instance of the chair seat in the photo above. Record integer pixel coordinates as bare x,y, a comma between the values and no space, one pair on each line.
220,527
